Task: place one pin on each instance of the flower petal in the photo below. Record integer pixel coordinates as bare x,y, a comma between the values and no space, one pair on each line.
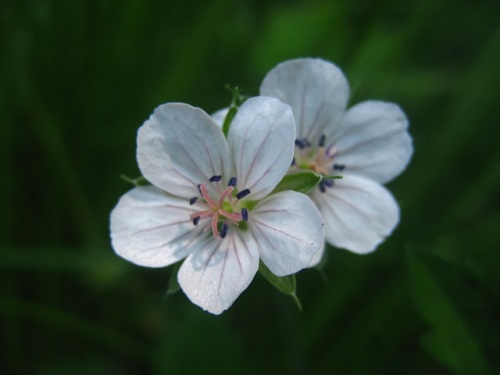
261,139
373,141
151,228
180,147
288,231
316,259
358,213
317,91
215,275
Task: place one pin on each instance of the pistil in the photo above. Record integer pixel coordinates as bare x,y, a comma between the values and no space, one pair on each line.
221,211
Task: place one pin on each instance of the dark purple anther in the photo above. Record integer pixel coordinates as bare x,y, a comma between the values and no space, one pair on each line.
215,178
321,142
196,220
244,214
223,230
193,200
338,167
232,182
301,143
321,187
327,183
243,193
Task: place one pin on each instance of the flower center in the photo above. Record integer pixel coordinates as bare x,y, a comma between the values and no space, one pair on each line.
221,211
319,159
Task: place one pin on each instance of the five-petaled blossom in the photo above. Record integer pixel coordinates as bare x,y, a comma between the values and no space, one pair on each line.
368,144
210,201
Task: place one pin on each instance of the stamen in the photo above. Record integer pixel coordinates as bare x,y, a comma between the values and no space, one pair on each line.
338,167
220,209
321,187
321,142
301,143
224,195
243,193
244,214
206,196
328,183
331,152
223,230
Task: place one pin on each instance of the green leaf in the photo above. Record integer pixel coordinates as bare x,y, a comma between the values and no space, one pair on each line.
285,284
443,298
173,284
303,181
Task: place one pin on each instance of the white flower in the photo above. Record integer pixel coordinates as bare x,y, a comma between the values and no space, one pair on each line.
368,144
210,201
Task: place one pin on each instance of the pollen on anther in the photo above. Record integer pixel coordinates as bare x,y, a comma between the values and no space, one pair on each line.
193,200
223,230
196,220
215,178
244,214
243,193
232,181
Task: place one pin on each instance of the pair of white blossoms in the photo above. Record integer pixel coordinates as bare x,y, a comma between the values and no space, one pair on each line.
210,200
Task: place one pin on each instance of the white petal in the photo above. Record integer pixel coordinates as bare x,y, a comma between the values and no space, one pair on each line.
373,141
317,91
261,139
220,116
316,259
358,213
151,228
180,147
219,272
288,231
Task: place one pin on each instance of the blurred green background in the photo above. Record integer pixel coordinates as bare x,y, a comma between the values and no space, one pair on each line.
79,77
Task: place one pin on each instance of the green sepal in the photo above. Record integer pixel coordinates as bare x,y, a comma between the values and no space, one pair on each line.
236,100
139,181
229,118
285,284
303,181
173,284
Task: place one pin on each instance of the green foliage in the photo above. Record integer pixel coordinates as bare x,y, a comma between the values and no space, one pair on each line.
285,284
448,304
79,78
